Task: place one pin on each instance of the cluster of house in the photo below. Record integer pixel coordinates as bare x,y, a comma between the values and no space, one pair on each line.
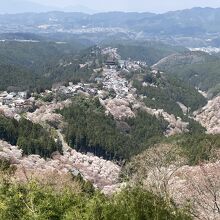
17,100
114,60
132,65
111,53
127,65
112,57
112,81
72,89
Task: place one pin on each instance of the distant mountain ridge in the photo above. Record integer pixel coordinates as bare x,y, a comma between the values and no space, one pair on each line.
23,6
192,28
186,22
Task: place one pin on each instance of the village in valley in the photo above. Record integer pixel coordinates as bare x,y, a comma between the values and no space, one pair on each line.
111,84
115,92
24,101
109,111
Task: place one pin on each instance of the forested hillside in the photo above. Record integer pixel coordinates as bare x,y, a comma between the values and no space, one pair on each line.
165,92
77,200
197,69
204,76
37,65
31,138
89,129
104,118
35,54
149,51
16,78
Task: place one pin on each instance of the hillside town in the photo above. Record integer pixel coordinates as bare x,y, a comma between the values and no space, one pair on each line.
116,94
109,110
120,100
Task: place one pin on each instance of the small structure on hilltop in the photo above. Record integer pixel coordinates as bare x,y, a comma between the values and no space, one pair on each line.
111,62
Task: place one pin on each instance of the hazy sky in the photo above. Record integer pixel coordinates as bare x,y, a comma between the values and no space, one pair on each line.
132,5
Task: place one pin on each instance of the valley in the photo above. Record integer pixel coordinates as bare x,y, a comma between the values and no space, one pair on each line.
111,116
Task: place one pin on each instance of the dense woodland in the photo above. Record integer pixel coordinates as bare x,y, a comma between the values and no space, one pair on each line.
199,147
37,66
16,78
191,149
34,201
89,129
148,51
31,138
77,199
167,91
204,75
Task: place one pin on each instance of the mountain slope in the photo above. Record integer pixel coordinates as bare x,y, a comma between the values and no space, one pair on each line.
198,69
176,60
147,51
191,22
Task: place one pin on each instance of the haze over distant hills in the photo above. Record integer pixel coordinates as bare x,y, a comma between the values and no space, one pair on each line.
94,6
23,6
191,27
